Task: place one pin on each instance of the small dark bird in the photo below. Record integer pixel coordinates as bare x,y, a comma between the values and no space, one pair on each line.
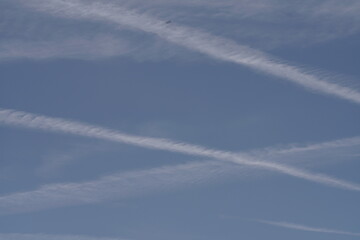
168,22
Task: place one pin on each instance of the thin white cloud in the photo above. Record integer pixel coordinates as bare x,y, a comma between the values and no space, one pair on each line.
117,186
267,22
345,142
54,161
28,120
196,40
77,48
20,236
259,23
307,228
87,48
25,34
313,155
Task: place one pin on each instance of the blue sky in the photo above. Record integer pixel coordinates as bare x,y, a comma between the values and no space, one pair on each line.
239,119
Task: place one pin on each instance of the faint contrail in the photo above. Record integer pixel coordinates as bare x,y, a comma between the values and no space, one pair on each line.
345,142
118,186
200,41
306,228
28,120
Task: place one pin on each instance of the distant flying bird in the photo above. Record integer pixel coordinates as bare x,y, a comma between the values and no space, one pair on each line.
167,22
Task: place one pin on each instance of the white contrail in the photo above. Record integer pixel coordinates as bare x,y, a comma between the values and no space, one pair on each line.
21,236
118,186
191,38
307,228
128,184
28,120
345,142
310,155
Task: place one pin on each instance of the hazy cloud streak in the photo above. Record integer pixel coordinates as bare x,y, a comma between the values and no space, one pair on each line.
98,47
272,151
216,47
28,120
117,186
307,228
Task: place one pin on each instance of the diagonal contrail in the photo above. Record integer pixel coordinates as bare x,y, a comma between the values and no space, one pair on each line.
273,151
118,186
28,120
307,228
194,39
131,184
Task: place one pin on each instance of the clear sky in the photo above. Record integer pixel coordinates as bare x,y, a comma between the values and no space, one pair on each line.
238,119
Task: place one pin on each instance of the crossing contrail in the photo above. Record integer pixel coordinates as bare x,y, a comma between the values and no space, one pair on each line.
131,184
216,47
34,121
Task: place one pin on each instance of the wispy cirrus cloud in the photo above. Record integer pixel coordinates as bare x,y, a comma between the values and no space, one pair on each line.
315,159
307,228
28,35
198,41
262,23
28,120
330,151
258,23
346,142
76,48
